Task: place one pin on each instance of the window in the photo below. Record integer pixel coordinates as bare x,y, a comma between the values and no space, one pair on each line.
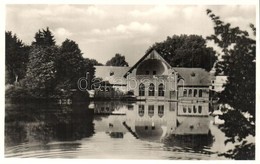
147,73
141,89
160,110
151,89
195,93
184,92
161,90
184,109
151,110
154,72
194,109
190,93
141,110
200,93
213,87
189,109
173,106
200,109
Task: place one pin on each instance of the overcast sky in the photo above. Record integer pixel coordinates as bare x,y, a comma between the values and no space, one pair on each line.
103,30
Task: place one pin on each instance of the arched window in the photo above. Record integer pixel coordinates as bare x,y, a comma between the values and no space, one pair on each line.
160,110
195,93
151,110
200,93
189,109
194,109
141,89
151,89
190,92
184,109
200,109
185,93
141,110
161,90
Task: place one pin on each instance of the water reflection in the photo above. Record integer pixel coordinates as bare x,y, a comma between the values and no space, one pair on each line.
156,121
43,123
78,129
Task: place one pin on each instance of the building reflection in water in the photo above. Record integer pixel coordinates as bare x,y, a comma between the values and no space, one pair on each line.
173,123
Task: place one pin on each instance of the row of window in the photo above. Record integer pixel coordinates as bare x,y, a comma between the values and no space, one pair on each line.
151,110
151,90
192,109
192,92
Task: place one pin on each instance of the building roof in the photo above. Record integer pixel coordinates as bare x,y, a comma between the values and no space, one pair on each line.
193,76
112,74
151,51
193,126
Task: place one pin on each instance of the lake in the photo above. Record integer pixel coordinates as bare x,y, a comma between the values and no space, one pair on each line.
112,130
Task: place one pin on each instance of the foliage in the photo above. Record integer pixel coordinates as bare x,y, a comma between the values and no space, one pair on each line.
243,151
16,92
117,60
46,70
43,69
44,38
71,65
16,58
236,126
238,64
186,51
93,62
41,72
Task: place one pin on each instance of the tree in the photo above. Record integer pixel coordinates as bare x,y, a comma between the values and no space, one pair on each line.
117,60
71,66
238,64
44,38
16,58
186,51
93,62
40,79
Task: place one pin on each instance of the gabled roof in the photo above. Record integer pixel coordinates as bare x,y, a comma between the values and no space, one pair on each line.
112,74
151,51
194,76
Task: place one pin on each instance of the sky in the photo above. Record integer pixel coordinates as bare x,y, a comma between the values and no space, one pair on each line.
101,31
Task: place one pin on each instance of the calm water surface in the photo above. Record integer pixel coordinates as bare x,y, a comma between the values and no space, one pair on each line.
114,130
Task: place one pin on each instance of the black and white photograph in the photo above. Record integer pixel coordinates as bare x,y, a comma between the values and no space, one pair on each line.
148,81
